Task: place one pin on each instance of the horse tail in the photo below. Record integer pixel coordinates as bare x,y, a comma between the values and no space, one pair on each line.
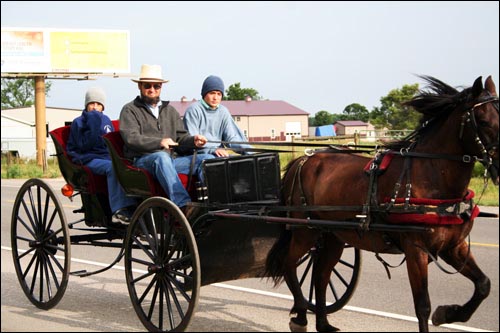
275,262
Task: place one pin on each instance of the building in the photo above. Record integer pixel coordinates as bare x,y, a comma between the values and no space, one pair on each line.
19,132
349,127
262,120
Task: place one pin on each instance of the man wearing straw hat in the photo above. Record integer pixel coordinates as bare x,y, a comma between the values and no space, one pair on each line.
156,139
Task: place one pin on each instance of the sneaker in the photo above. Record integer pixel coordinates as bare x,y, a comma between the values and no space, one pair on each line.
121,216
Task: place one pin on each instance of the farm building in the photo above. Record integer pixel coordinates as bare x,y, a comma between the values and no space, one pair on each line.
263,120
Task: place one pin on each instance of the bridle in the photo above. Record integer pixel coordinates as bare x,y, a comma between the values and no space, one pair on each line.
487,150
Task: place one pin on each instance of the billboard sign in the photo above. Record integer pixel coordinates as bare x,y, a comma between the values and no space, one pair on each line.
54,51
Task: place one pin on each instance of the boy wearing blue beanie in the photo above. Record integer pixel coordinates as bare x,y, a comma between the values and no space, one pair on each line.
213,120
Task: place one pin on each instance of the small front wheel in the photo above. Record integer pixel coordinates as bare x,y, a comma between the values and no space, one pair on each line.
40,244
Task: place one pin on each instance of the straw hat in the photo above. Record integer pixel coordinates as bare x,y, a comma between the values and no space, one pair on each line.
150,73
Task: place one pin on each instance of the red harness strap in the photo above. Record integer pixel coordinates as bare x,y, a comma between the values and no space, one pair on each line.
386,160
432,217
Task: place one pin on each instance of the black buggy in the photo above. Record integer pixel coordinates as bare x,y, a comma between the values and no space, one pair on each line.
167,257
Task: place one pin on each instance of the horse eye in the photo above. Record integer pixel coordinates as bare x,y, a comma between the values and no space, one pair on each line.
484,123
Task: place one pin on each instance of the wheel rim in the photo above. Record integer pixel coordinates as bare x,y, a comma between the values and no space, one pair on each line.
162,266
343,280
40,244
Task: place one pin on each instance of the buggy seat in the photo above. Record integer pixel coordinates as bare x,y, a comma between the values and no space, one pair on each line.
79,176
135,181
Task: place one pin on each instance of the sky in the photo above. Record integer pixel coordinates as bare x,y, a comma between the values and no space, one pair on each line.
313,55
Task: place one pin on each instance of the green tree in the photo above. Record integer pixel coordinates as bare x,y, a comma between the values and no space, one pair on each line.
356,111
392,114
236,93
20,92
323,118
311,121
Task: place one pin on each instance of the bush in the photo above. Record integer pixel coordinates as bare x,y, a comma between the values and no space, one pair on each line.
13,171
478,170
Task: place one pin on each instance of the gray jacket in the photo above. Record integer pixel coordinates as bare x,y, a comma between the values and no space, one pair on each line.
142,132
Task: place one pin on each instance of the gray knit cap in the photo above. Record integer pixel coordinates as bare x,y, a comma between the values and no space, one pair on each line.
212,83
95,94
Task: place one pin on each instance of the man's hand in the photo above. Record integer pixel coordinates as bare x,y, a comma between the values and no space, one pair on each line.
199,140
168,143
221,152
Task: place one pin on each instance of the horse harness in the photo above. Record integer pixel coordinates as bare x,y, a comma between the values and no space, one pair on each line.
461,207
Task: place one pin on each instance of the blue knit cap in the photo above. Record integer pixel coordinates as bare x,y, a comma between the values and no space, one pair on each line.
212,83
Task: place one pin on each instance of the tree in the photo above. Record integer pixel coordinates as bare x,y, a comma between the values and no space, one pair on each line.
323,118
356,111
392,114
236,93
20,92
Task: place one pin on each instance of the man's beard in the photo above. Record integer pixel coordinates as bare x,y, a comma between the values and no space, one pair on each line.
150,100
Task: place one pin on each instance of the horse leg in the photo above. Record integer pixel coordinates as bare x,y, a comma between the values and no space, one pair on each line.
416,265
456,257
328,257
298,247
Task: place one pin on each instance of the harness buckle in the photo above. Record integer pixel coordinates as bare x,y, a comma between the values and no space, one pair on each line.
309,152
466,158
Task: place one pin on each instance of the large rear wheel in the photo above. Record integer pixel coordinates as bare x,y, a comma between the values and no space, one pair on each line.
343,280
40,244
162,266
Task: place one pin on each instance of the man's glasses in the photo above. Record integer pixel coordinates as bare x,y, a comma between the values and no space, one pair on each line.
149,85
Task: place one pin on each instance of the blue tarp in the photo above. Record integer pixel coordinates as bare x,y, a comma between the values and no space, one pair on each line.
326,130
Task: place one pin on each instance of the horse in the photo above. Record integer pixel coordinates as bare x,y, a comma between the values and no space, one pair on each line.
421,179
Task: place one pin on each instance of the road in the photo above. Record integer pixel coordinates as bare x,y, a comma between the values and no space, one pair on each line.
100,303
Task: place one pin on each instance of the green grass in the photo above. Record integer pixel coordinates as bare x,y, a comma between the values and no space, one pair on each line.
490,195
23,168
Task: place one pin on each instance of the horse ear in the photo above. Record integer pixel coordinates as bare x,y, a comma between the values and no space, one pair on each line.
490,86
477,87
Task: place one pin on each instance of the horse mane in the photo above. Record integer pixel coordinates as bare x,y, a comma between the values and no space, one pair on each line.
435,103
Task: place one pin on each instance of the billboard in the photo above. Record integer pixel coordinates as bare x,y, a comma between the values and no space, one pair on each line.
44,50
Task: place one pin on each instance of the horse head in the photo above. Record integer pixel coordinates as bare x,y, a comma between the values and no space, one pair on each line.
481,137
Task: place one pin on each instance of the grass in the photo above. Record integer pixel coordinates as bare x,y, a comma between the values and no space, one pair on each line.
25,169
13,167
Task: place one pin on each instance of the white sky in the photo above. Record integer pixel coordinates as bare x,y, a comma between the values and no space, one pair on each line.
315,55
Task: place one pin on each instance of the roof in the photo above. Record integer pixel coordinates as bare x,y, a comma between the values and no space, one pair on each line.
351,123
252,108
29,123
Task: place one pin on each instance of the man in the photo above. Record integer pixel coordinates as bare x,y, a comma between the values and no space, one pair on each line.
86,146
155,137
213,120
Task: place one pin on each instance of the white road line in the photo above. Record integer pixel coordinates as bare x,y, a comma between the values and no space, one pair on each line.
289,297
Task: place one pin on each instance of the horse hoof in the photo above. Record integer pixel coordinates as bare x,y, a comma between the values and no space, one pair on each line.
445,314
294,327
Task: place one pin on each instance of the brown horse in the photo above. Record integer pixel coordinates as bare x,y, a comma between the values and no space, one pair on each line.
421,179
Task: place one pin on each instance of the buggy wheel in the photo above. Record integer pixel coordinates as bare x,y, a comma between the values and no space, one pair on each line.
162,266
40,244
343,280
